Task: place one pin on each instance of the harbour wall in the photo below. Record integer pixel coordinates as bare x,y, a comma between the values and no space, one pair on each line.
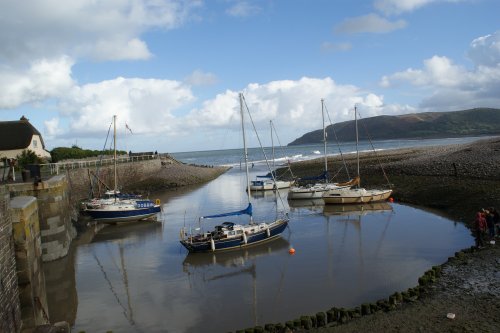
54,213
9,293
37,225
127,173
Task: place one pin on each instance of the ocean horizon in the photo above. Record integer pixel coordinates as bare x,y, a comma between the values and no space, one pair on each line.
234,156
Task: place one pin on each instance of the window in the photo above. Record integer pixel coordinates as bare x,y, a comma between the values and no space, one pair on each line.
35,143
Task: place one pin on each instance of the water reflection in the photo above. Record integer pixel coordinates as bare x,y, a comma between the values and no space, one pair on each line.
357,209
138,278
233,258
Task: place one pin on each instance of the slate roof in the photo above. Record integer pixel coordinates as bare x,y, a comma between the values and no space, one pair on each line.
17,134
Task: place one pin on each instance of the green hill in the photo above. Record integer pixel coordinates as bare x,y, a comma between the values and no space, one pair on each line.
428,125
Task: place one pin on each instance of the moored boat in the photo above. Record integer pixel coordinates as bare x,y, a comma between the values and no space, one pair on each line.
317,190
229,235
356,195
116,207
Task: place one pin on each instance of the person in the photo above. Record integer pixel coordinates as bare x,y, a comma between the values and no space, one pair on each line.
490,223
479,229
496,220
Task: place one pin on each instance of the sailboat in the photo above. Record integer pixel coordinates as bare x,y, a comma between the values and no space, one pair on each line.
356,195
317,190
269,182
115,207
230,235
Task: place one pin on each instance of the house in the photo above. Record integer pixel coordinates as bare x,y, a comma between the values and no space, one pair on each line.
16,136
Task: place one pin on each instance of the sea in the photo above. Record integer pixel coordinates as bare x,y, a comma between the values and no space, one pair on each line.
258,155
137,277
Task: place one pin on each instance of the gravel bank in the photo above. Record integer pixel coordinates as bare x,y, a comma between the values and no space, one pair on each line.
456,181
174,175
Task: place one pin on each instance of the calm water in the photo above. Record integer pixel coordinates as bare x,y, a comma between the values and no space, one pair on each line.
138,278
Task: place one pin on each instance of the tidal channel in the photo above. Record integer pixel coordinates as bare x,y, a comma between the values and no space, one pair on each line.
138,277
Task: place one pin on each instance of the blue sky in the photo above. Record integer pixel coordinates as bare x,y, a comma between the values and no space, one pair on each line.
172,70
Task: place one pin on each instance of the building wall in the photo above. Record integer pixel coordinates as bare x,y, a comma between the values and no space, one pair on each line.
10,310
28,252
35,146
54,213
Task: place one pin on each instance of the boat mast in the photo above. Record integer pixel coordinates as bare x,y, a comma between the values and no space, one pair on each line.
324,138
272,144
114,147
357,149
245,146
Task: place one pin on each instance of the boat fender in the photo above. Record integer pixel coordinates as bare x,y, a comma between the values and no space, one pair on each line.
245,238
157,202
268,232
212,244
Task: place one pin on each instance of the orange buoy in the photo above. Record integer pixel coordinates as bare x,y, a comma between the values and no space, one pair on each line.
391,200
291,251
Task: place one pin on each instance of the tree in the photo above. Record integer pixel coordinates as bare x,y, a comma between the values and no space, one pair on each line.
27,157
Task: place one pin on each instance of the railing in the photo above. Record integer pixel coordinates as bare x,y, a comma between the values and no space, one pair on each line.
49,169
54,168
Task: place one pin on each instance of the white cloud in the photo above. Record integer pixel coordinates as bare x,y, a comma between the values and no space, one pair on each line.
448,86
437,71
97,29
294,105
400,6
485,51
43,79
396,7
371,23
146,105
52,128
243,9
200,78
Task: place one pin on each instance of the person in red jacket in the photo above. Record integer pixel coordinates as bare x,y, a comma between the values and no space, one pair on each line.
479,229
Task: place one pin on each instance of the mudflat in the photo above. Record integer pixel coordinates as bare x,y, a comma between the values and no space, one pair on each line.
455,181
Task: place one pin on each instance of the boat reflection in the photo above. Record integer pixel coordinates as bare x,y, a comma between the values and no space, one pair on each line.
132,231
234,258
360,209
300,203
238,266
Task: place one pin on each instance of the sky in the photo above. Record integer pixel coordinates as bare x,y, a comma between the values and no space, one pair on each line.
171,70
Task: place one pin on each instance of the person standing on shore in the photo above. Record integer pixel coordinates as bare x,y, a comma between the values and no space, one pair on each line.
479,229
489,222
496,221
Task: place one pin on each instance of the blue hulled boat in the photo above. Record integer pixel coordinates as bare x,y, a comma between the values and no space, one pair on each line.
117,207
229,235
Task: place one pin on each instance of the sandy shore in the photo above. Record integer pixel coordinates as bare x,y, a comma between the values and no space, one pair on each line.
455,181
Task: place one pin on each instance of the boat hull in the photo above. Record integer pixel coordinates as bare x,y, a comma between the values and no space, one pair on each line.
352,197
269,185
315,192
116,216
306,194
237,242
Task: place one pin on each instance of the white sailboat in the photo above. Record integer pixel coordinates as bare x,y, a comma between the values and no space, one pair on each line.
115,207
356,195
317,190
230,235
268,182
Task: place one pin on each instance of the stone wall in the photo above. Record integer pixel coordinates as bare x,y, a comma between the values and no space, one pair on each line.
10,310
54,212
28,252
132,172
